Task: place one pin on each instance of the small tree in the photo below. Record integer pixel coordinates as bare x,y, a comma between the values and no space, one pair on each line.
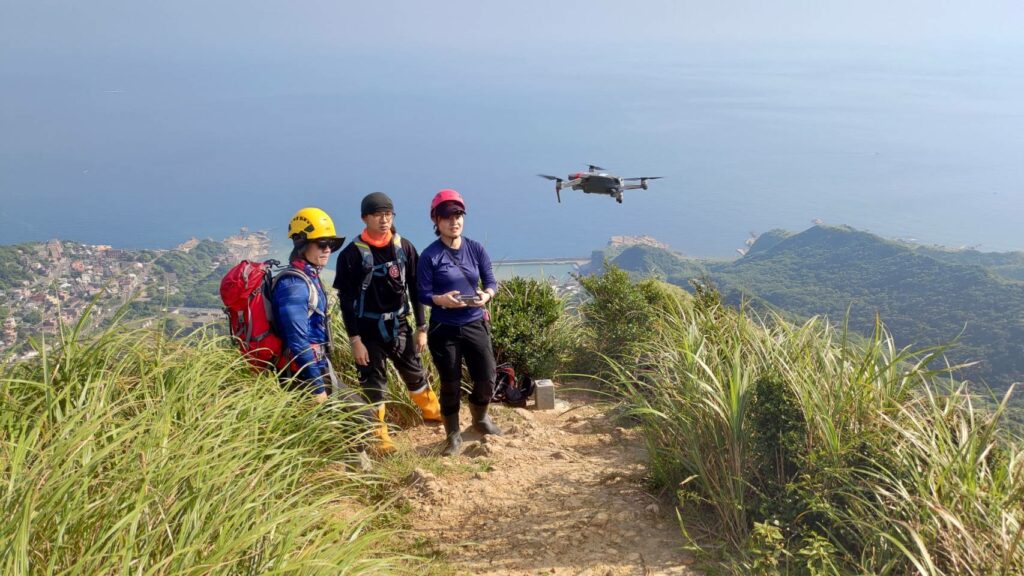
526,327
619,315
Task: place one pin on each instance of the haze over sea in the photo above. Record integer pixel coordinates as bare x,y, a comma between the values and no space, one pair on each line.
141,126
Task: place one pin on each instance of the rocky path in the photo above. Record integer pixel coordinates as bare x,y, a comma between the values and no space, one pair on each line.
562,492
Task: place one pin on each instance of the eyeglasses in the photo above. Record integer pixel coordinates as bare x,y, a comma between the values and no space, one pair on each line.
324,244
383,215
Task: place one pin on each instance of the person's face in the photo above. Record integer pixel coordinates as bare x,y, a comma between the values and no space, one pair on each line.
318,252
380,221
450,226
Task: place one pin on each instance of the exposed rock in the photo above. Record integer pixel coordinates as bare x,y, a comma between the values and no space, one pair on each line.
493,440
365,463
424,482
476,449
419,475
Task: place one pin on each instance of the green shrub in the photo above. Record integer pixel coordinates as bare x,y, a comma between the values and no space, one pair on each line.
777,448
528,327
619,317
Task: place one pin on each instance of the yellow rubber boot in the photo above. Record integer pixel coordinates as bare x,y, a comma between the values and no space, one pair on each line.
384,444
427,401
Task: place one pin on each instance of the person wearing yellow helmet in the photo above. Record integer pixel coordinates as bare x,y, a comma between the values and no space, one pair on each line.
299,304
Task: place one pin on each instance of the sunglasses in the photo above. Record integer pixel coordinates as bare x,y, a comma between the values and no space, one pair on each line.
324,244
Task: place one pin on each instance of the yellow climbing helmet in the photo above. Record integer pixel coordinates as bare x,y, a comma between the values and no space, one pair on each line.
313,224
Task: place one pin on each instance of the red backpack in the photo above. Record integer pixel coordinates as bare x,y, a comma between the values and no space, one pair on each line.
245,291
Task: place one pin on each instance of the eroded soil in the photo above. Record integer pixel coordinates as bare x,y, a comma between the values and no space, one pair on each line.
561,492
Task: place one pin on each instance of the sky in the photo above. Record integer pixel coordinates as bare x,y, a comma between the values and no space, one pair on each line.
140,124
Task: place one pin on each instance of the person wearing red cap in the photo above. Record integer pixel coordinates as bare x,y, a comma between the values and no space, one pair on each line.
456,280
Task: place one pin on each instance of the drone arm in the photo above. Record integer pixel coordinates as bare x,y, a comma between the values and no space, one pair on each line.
633,186
571,183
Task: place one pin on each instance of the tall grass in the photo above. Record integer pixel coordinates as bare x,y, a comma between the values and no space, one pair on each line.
809,454
127,452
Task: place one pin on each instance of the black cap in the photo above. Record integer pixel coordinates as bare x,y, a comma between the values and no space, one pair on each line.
376,201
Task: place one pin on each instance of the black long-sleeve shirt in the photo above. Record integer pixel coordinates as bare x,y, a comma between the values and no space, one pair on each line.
385,293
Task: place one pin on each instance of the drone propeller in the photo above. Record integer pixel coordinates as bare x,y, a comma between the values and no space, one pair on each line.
592,168
643,180
558,185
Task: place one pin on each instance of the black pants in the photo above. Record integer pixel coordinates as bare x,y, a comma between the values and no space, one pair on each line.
449,346
373,378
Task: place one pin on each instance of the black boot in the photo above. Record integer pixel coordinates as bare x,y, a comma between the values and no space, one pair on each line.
481,421
451,429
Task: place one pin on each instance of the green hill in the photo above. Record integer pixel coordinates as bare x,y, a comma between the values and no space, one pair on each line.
1009,265
767,241
926,296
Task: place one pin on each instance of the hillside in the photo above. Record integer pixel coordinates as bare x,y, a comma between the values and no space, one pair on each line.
42,284
1009,265
742,445
926,296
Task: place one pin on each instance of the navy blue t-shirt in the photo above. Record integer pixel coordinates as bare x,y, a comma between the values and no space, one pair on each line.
441,270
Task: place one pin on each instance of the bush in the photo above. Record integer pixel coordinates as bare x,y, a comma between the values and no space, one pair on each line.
619,317
528,327
777,447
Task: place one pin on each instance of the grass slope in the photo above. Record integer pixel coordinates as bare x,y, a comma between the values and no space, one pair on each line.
127,452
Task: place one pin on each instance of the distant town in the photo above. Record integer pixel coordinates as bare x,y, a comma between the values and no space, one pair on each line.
45,285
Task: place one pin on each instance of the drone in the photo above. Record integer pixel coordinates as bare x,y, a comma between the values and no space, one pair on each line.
596,181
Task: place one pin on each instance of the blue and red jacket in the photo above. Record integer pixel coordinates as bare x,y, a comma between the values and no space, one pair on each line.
305,336
441,270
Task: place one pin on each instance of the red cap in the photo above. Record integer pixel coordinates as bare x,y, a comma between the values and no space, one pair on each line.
446,195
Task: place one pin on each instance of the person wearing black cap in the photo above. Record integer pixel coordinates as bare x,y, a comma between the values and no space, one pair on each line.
377,289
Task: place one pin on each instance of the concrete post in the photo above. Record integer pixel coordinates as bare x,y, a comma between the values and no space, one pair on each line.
544,395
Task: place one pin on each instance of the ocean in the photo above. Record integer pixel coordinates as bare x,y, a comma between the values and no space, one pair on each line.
924,147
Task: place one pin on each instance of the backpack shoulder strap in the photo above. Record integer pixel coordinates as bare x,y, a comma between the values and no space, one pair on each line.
367,261
314,296
400,257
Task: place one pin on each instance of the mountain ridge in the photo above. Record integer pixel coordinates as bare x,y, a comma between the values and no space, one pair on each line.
925,295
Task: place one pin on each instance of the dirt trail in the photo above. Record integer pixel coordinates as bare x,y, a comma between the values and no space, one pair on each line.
561,492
